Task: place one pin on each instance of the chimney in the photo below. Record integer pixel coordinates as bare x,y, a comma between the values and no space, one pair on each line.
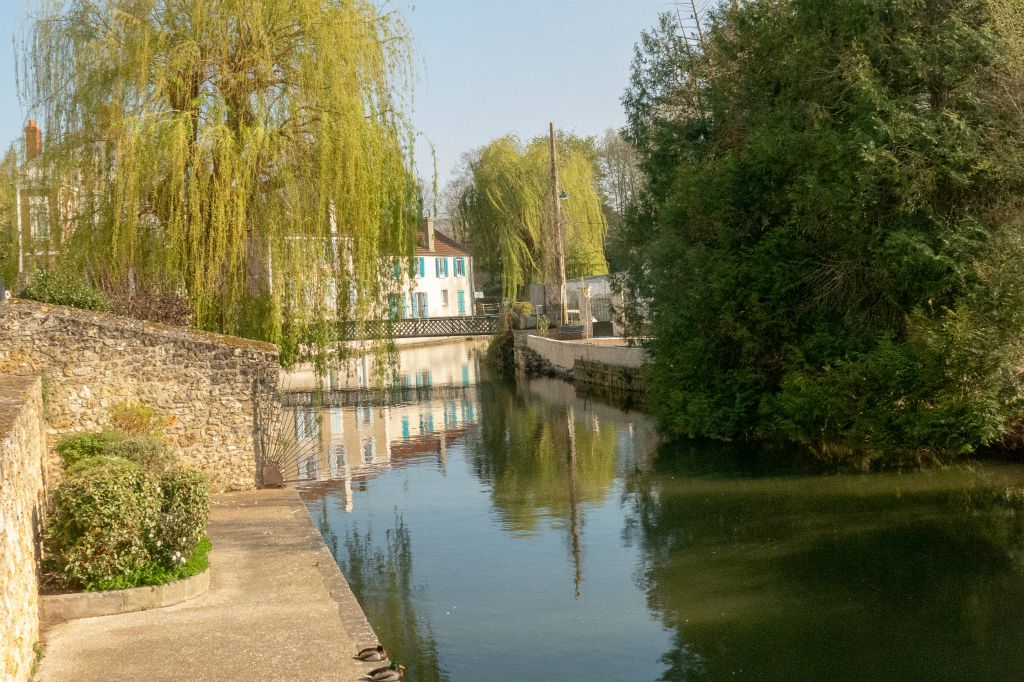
428,233
33,140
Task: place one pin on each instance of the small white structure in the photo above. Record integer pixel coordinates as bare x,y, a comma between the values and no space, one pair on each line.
442,283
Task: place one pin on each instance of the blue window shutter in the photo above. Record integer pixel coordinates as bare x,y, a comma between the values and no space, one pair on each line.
462,302
423,267
425,313
445,267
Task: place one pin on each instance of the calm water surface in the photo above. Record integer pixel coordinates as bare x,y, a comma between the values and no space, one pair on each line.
495,532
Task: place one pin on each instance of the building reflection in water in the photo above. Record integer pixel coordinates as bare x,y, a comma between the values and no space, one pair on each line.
346,431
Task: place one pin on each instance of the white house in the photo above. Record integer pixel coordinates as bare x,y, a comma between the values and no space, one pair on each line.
442,283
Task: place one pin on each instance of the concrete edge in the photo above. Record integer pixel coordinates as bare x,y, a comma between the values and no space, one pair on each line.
353,619
57,608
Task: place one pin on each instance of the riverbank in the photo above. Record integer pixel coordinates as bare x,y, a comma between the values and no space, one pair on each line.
278,608
607,367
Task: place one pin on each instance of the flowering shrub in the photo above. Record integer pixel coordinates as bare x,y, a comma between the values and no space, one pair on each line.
126,514
101,517
184,512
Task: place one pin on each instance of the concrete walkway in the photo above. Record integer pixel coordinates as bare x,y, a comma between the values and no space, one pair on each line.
278,609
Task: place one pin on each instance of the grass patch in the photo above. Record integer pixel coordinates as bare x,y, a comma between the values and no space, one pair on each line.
154,574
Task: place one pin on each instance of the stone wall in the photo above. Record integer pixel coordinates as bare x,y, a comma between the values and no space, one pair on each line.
601,378
22,481
207,385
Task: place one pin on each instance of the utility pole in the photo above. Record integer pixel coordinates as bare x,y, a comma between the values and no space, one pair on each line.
557,218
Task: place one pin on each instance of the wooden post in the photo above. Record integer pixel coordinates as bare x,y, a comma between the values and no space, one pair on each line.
557,218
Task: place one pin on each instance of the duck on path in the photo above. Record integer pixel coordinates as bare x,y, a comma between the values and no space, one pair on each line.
390,673
373,653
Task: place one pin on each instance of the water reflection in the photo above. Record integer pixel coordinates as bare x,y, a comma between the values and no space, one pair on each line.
380,571
548,456
346,431
871,577
506,519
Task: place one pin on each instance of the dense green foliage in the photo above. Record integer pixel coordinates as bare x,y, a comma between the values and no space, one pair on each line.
125,514
100,522
184,511
64,286
253,157
831,238
150,453
501,349
79,446
504,209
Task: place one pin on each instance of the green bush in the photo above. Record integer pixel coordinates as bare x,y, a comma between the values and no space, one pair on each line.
100,522
87,463
155,574
84,445
136,419
149,453
184,512
65,287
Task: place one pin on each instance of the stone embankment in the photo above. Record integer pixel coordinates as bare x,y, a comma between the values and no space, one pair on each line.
603,366
210,387
22,496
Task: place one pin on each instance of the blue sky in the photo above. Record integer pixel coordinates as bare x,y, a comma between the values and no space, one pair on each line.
486,67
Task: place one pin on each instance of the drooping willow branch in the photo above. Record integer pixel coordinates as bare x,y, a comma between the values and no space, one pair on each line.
504,209
256,157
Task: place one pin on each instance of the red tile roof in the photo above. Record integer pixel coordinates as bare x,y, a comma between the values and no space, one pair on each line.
443,246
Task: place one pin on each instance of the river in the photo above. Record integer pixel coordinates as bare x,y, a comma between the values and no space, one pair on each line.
494,531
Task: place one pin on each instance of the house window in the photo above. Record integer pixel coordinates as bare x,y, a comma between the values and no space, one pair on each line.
460,267
39,217
444,298
420,305
441,267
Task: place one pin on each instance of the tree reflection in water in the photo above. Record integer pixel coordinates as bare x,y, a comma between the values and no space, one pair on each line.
381,573
543,461
837,577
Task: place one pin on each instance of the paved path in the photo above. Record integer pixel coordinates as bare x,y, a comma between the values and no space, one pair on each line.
278,609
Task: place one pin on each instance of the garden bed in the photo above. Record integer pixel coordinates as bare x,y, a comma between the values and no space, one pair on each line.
57,608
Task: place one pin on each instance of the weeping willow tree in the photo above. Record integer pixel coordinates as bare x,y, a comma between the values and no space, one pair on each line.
255,157
505,211
9,217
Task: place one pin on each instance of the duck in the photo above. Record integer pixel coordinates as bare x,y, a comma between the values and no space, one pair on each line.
391,673
373,653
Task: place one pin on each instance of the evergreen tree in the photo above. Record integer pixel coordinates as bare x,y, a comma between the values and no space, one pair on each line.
832,233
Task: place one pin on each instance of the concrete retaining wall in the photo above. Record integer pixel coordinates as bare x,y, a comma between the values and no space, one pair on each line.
208,385
57,608
564,354
22,493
